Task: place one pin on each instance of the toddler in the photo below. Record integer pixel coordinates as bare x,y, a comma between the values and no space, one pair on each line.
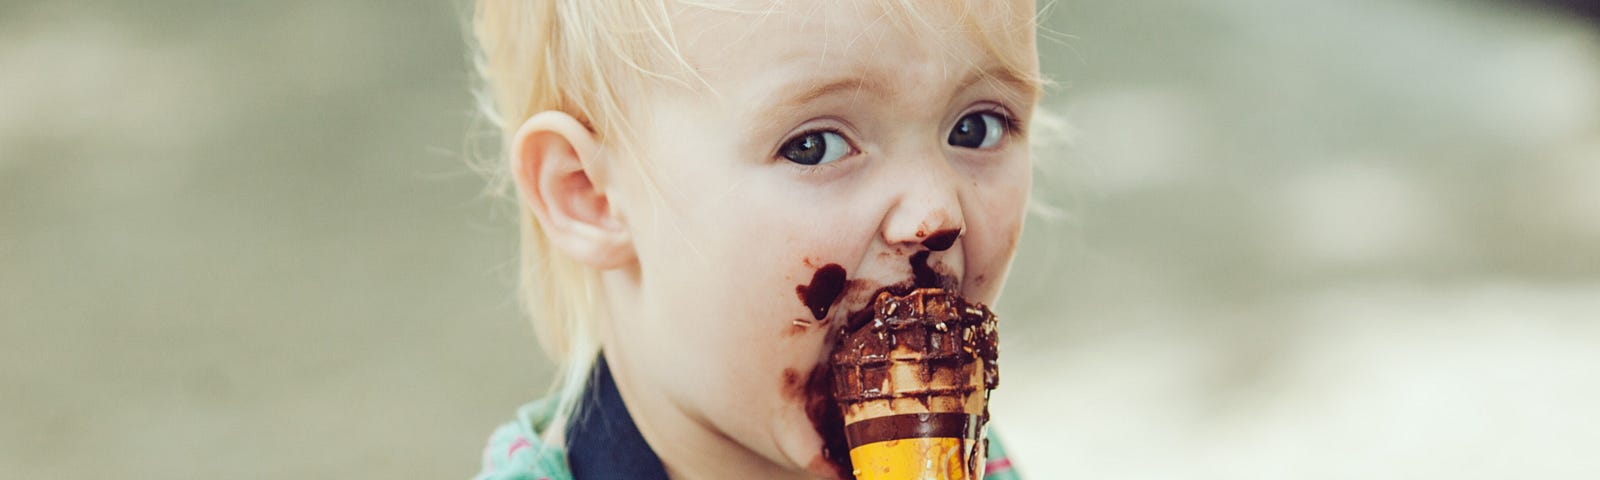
707,186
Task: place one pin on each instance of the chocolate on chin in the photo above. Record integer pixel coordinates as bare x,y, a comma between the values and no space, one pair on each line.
913,382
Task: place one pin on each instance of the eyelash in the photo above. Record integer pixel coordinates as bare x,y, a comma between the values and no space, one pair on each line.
1013,126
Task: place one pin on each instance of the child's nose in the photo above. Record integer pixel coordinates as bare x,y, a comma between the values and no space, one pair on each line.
929,206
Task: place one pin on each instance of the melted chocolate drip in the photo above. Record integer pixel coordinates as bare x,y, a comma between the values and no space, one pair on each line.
825,287
923,276
823,410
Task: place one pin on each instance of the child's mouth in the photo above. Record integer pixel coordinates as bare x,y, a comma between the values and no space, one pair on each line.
830,286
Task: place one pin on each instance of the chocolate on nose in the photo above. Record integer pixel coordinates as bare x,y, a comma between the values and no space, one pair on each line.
942,240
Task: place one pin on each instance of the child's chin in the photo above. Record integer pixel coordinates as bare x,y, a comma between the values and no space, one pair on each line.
822,468
805,451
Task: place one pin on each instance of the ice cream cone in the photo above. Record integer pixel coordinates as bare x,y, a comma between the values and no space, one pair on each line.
913,387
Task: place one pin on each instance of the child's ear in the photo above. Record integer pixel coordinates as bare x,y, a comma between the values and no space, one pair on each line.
562,179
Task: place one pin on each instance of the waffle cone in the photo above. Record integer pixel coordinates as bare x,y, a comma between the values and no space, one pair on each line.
913,387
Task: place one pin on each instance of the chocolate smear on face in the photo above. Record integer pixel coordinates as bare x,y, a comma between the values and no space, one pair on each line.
791,383
824,289
941,240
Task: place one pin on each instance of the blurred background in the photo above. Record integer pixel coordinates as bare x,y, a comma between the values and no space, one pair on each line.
1294,239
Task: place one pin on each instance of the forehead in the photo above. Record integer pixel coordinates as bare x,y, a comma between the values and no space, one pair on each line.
912,42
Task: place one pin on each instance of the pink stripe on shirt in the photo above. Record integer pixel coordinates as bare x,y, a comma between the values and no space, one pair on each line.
997,465
519,444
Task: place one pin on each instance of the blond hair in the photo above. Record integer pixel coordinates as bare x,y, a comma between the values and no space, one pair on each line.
588,58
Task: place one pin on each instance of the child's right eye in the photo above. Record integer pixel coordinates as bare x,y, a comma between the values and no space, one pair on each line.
816,148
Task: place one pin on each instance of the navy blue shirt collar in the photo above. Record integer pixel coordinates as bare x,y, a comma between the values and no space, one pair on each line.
602,440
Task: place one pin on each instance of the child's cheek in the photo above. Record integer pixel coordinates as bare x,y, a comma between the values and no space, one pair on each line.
811,311
995,228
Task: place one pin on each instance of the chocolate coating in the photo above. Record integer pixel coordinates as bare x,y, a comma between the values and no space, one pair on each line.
949,332
914,425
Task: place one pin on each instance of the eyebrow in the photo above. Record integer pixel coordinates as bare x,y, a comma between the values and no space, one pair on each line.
1030,88
837,86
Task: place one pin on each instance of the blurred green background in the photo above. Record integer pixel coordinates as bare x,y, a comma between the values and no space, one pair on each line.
1297,239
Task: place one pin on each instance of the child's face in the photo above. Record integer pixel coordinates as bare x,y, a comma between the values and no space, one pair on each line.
909,136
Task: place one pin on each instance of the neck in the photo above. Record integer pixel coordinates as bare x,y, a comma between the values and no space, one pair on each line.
689,445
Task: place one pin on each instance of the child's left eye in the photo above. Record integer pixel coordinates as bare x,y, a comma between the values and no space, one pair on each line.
978,130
